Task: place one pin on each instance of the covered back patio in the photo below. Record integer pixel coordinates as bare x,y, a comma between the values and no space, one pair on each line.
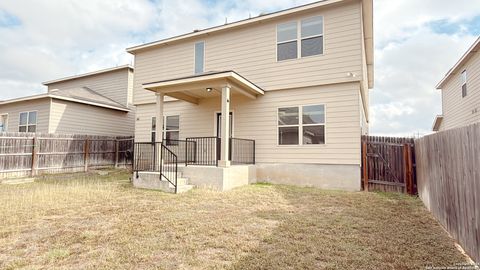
169,157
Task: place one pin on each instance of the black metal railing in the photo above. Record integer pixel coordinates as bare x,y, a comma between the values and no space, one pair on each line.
242,151
183,149
168,165
206,151
156,157
145,157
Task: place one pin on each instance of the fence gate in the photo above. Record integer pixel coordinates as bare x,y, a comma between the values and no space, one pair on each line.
388,164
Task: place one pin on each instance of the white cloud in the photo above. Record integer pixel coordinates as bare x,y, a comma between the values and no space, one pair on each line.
411,58
61,38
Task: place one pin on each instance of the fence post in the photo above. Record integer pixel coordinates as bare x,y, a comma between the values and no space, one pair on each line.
365,166
85,150
116,153
407,152
34,156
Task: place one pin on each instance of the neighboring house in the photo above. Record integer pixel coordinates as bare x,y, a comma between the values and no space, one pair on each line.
296,82
96,103
461,92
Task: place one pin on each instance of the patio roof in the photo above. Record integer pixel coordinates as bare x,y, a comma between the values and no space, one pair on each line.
193,88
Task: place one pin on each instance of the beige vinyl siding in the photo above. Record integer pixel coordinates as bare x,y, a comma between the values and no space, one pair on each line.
460,111
112,84
130,87
75,118
41,106
251,51
365,90
257,119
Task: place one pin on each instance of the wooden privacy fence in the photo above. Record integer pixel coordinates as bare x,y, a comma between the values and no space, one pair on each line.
23,154
449,182
388,164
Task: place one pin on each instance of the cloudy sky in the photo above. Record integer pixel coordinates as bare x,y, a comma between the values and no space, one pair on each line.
416,42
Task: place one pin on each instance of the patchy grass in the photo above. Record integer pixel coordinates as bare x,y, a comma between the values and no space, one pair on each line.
101,222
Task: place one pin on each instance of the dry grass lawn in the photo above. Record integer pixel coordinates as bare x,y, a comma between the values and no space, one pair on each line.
100,222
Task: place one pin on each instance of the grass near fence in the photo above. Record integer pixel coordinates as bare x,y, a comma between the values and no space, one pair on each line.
100,222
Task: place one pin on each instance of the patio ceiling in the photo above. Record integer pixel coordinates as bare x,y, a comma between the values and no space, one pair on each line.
194,88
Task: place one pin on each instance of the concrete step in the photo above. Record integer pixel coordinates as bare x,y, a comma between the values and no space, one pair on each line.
184,188
151,180
18,181
182,181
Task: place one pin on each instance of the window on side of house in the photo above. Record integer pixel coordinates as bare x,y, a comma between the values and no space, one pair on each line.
312,36
154,128
463,77
199,57
171,133
313,124
27,122
302,125
288,126
287,44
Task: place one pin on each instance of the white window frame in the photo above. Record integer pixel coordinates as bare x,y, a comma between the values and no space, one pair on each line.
309,37
464,82
5,125
283,42
164,128
195,56
27,125
301,125
299,39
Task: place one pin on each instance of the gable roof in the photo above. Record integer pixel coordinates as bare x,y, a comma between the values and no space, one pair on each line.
88,74
456,68
82,95
367,19
367,4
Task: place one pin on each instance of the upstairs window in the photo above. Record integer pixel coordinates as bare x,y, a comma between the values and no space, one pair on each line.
312,36
463,78
199,57
287,41
307,32
27,122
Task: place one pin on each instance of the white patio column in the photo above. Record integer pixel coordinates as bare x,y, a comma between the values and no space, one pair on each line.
224,157
159,117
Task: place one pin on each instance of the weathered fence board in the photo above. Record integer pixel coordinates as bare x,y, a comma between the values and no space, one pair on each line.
449,182
23,154
388,164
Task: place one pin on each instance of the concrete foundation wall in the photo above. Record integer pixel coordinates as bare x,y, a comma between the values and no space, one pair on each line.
219,178
341,177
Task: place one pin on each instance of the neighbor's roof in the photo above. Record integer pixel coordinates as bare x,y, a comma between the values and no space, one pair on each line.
81,95
88,74
456,68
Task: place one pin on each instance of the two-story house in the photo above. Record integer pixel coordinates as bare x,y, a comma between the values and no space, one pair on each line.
461,92
287,90
95,103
